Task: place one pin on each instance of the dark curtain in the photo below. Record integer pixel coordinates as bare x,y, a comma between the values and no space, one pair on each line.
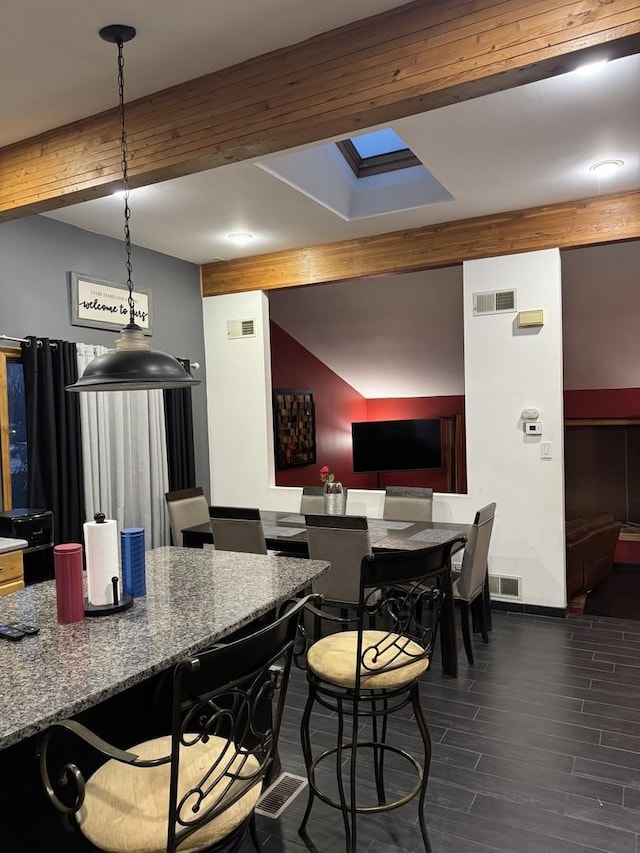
179,426
53,435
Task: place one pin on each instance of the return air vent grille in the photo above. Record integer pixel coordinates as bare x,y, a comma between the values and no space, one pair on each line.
279,795
494,302
504,586
240,329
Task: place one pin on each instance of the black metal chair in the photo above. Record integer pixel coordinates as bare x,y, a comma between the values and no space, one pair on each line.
368,675
197,787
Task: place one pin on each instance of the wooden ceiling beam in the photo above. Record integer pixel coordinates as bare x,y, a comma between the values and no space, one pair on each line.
406,61
607,219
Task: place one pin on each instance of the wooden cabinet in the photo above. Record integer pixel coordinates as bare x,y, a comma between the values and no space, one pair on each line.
11,572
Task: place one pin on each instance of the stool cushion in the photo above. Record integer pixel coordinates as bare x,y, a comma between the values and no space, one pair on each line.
126,808
398,660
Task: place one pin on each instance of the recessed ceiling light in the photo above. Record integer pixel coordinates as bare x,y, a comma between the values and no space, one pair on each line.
240,237
120,193
591,67
606,167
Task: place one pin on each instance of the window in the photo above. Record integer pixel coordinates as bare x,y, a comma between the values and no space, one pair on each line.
377,152
13,430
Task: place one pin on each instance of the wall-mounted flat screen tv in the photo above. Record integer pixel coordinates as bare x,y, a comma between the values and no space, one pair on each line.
409,445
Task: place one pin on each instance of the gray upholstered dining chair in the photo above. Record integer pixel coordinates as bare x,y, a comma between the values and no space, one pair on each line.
469,582
237,528
186,507
342,540
312,500
406,503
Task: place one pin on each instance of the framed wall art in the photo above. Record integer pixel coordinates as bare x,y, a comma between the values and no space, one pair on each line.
102,304
294,427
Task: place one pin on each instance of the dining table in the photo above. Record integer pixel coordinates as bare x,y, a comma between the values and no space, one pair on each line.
286,533
100,667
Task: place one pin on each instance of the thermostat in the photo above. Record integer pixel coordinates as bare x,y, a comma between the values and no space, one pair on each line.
533,428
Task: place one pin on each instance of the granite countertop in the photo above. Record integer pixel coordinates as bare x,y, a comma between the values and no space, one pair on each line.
194,598
7,544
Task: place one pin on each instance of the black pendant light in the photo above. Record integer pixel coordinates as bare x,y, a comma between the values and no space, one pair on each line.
132,365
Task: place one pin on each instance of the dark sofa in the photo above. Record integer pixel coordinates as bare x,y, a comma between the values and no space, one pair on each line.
591,543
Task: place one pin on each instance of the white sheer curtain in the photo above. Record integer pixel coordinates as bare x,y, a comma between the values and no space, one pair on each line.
125,456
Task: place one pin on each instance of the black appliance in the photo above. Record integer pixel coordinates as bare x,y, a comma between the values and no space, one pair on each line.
36,527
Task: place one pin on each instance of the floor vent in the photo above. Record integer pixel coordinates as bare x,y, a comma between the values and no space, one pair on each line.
494,302
240,329
504,586
280,795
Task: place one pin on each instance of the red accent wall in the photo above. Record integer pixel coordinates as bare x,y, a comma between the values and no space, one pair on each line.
337,405
602,403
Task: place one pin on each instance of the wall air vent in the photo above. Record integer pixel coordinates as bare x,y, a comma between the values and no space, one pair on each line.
494,302
237,329
504,586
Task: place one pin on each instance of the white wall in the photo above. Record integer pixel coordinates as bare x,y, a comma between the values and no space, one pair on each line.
601,309
239,406
506,370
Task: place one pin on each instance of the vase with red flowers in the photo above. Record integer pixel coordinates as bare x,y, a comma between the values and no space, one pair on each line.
334,495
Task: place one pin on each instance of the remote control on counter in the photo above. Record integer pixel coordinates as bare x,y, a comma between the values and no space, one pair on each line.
26,629
9,632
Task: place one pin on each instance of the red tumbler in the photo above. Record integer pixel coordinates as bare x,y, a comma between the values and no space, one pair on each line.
69,587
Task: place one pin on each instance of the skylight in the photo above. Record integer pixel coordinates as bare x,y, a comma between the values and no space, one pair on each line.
379,142
377,152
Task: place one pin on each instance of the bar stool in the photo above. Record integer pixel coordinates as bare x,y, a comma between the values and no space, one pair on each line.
368,675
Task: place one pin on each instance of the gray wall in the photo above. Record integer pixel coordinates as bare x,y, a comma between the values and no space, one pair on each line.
36,255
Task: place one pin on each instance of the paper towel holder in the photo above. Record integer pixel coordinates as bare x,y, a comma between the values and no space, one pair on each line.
120,602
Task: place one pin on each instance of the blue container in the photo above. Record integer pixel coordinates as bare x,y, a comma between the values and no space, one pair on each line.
132,553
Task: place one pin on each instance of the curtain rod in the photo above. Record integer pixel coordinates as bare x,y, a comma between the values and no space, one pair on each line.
194,364
11,338
26,340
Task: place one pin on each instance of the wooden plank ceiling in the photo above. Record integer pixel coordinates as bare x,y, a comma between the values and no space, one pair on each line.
406,61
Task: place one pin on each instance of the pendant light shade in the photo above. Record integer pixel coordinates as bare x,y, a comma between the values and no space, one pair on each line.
132,365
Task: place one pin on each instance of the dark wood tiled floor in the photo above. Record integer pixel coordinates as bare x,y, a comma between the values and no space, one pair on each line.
536,749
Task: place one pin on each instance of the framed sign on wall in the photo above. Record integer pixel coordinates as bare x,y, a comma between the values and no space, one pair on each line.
101,304
294,427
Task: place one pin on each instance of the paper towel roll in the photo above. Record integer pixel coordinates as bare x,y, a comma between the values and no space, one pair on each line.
101,548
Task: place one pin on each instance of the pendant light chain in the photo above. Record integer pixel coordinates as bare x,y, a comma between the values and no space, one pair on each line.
132,365
125,182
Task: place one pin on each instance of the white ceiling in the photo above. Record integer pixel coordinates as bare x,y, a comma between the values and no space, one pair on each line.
524,147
